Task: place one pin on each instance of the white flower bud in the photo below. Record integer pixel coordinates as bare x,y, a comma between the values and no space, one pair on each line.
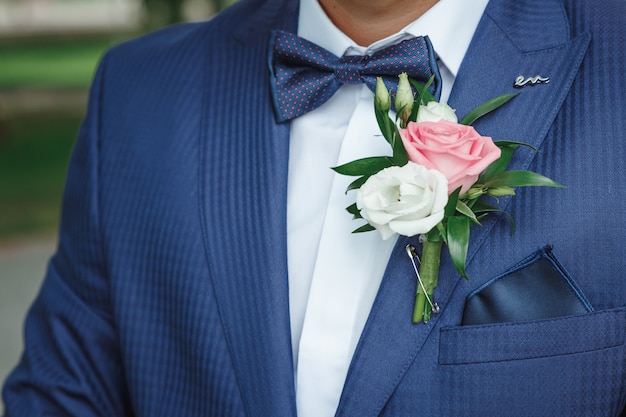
382,99
404,98
500,191
474,192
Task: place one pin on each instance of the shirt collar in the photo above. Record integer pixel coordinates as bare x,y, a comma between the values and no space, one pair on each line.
315,26
450,25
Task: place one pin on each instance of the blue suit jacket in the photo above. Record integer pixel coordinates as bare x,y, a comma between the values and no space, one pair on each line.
168,293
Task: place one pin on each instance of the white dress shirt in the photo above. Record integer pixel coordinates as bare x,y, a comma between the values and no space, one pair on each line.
334,275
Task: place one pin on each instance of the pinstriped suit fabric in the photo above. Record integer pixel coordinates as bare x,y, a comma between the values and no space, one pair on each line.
168,293
154,256
249,247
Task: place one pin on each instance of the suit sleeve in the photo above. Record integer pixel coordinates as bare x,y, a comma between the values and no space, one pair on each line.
71,365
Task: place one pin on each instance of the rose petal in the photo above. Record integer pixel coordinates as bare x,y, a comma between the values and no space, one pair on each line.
456,150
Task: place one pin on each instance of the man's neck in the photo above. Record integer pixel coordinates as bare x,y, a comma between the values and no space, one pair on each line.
367,21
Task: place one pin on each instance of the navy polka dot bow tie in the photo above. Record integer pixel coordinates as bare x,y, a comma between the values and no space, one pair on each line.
305,75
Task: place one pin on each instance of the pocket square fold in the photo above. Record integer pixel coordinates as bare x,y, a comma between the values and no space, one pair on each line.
536,288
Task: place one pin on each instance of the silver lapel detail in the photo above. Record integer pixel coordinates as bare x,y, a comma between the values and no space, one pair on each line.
521,81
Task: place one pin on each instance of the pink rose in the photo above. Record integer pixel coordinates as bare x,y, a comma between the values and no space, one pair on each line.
455,150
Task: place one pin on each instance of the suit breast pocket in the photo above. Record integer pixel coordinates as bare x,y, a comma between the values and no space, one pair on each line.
564,366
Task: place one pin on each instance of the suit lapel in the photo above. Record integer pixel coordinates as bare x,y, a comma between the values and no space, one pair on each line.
243,181
509,42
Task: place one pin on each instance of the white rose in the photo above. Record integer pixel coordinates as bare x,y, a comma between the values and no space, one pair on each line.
407,200
435,112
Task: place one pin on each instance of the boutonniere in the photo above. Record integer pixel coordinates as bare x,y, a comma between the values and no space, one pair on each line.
437,182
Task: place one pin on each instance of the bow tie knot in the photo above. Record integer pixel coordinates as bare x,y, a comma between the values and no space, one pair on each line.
348,69
305,75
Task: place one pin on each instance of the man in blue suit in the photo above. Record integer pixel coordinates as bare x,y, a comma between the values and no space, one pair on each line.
186,284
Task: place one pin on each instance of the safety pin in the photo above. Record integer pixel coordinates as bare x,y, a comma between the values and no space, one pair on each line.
410,250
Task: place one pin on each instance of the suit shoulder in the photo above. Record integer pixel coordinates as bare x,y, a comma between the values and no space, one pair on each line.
180,43
163,45
603,17
604,22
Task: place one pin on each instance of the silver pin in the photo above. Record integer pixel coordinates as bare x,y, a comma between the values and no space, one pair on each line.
521,81
410,250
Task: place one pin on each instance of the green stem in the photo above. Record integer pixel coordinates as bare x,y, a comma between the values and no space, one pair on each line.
429,273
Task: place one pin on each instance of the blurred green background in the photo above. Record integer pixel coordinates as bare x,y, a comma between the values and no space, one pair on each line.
44,80
43,86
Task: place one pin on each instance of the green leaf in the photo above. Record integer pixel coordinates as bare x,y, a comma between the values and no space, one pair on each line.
520,179
486,107
450,208
514,144
356,184
365,228
480,206
354,210
385,123
414,110
508,148
437,233
365,166
400,156
458,242
464,209
499,165
424,96
484,208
